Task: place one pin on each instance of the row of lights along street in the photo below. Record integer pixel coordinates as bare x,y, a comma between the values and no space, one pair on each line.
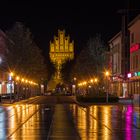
19,84
92,82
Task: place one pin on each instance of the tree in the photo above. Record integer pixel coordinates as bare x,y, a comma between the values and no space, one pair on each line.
66,70
91,60
25,57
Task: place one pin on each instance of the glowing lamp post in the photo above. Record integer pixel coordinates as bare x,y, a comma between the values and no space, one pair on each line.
96,82
74,78
17,87
10,79
74,85
107,87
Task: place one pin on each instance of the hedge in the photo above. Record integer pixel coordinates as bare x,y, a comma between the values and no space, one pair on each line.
96,99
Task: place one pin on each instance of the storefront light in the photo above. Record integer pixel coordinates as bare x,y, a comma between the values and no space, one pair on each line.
89,86
135,74
129,75
9,77
0,59
3,83
17,78
134,48
138,73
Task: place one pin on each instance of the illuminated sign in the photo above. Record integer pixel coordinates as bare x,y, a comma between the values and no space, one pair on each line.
135,74
134,48
129,75
9,77
138,73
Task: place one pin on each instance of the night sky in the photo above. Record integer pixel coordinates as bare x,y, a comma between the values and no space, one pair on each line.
81,20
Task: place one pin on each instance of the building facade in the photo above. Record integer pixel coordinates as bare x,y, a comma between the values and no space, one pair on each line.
134,74
125,81
5,87
61,50
118,84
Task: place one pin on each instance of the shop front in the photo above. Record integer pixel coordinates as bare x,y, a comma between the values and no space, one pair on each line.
118,86
6,86
133,83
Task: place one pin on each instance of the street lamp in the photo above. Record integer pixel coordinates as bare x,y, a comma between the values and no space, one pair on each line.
107,87
74,86
91,80
95,80
96,84
107,73
10,79
74,78
17,91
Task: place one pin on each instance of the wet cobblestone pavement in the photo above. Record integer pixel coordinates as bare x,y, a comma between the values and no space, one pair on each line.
47,118
108,122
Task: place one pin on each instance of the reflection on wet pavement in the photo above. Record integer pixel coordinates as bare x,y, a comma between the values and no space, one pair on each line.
25,121
97,122
106,122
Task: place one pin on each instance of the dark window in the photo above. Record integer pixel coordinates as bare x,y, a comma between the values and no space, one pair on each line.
132,38
133,62
136,61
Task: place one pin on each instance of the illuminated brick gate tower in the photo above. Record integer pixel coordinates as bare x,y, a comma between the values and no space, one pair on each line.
61,50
